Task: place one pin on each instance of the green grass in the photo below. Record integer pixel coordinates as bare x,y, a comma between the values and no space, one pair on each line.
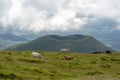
21,66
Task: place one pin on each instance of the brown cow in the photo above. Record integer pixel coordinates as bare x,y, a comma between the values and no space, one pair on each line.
68,58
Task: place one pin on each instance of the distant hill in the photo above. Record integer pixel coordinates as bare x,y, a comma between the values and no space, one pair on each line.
77,43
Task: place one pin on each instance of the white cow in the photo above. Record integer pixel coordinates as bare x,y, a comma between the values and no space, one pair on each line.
37,55
64,50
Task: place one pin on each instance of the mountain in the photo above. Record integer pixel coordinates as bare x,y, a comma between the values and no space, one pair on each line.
77,43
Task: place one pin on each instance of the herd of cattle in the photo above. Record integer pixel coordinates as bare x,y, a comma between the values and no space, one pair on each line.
38,55
100,52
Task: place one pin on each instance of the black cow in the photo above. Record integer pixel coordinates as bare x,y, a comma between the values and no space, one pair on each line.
108,52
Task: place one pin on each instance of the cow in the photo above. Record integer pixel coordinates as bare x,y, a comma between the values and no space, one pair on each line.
108,52
68,58
37,55
64,50
99,52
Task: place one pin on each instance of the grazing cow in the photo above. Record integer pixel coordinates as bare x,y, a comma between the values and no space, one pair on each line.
68,58
37,55
64,50
108,52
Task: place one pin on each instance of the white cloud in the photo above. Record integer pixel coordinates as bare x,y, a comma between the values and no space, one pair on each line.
53,15
13,13
4,5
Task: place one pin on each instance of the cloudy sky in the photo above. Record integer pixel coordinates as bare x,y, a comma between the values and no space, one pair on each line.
37,16
100,18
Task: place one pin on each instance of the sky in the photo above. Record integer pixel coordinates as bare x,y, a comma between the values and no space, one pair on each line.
100,18
56,15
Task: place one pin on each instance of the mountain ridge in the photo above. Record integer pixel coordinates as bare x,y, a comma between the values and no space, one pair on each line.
77,43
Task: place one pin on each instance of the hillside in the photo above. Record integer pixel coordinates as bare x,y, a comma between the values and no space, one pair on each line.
77,43
21,66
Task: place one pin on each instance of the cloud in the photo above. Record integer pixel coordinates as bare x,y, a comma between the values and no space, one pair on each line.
49,5
13,13
4,5
28,16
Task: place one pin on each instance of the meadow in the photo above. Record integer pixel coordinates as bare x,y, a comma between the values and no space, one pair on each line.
21,66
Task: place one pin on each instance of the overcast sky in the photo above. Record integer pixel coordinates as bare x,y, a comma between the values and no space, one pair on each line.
37,16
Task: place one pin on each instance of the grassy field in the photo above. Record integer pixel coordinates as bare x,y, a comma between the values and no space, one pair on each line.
21,66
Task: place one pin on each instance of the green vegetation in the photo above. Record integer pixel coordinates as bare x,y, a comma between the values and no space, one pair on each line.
21,66
77,43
